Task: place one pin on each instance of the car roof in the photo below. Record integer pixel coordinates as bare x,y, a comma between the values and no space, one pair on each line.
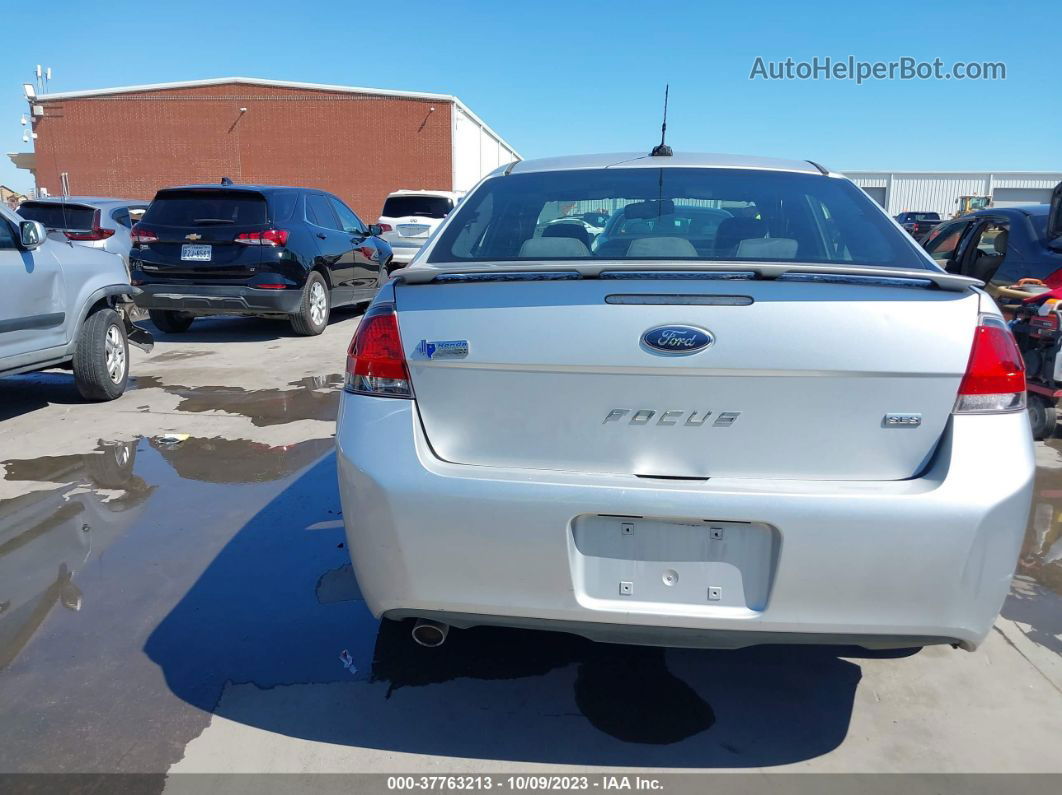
445,194
240,186
677,160
1024,209
97,201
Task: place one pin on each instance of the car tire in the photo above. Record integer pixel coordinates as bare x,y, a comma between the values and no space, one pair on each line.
169,322
101,356
112,467
312,317
1042,416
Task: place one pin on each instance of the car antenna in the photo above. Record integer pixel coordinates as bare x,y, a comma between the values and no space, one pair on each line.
226,181
663,150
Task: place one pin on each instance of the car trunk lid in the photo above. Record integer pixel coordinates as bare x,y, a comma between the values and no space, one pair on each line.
800,380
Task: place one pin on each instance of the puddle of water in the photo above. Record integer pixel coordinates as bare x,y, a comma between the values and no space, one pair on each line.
47,537
1041,553
312,398
220,460
1035,598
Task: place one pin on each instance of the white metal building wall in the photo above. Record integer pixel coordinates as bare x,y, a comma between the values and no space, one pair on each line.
939,191
477,150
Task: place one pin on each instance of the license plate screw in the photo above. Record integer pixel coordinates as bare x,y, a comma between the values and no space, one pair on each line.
627,528
715,593
626,588
716,533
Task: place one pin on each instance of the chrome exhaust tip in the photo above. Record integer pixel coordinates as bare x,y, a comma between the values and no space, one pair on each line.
430,633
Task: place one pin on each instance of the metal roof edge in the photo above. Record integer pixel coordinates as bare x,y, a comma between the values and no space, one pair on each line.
217,81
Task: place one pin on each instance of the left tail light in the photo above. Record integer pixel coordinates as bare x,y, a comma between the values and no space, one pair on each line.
376,363
141,235
97,232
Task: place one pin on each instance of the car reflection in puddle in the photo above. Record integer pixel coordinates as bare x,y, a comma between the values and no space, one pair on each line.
217,460
48,536
1036,595
311,398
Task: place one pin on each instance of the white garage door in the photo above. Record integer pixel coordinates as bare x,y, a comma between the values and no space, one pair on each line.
877,194
1009,197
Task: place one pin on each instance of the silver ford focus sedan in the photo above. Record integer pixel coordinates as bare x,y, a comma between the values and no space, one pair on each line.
743,408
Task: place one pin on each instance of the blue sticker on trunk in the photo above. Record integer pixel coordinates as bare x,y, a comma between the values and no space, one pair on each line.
444,349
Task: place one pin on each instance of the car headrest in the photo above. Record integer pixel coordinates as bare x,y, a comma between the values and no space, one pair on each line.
733,230
1000,242
554,247
661,247
767,248
574,231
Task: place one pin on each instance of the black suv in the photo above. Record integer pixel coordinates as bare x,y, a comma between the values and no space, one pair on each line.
253,250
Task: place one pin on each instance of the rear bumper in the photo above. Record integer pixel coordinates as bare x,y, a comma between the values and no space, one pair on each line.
882,564
403,254
218,299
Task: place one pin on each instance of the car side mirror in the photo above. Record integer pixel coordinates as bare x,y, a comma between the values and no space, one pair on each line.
375,230
31,234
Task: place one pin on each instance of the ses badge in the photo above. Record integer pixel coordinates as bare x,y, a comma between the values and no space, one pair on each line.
443,349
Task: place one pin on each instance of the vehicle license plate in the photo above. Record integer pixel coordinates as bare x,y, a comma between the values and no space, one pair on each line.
198,253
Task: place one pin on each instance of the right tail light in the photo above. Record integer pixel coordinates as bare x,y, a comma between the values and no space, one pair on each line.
995,375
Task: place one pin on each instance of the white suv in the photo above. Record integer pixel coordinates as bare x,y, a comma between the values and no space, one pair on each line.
410,216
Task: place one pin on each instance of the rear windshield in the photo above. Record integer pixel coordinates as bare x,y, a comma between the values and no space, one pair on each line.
674,213
206,208
426,206
923,216
56,215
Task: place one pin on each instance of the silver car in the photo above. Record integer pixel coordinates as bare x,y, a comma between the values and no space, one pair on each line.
88,220
64,306
787,425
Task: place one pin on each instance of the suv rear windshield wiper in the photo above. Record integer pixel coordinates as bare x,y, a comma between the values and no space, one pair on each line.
212,221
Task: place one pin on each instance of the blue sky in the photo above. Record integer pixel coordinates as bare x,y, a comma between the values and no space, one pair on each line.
557,78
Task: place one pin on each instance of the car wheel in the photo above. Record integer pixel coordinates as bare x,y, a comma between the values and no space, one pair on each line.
112,467
1042,416
170,322
101,356
314,310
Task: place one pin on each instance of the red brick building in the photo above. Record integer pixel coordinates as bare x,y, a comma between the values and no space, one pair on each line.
358,143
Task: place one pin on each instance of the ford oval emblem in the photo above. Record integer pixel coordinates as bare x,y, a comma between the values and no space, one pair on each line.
677,340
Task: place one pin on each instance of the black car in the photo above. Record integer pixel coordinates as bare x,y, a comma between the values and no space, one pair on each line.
918,225
1000,246
253,250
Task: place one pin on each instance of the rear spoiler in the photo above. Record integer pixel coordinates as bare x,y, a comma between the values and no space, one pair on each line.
654,269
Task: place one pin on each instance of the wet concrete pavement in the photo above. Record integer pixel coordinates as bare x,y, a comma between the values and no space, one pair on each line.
175,595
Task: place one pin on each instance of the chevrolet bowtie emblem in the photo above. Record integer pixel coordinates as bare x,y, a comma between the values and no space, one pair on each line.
193,236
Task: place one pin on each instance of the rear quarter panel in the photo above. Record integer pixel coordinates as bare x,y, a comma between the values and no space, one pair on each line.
85,271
